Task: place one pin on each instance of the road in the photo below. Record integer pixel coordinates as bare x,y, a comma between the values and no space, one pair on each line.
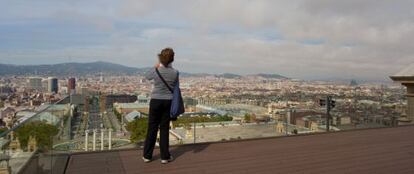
95,120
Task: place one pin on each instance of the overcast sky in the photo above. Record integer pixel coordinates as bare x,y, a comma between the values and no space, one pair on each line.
309,39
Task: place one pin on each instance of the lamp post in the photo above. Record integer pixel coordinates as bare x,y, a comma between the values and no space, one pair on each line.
330,104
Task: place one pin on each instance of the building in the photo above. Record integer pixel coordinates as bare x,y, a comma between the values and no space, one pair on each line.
35,83
6,90
126,108
107,101
341,120
52,85
406,78
132,116
72,86
84,91
143,100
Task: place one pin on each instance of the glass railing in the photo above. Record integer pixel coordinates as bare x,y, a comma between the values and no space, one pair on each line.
27,141
234,121
89,128
42,141
227,123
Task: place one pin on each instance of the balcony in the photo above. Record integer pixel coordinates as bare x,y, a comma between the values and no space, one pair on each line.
386,150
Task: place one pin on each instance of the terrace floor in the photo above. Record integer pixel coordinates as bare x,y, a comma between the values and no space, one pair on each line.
386,150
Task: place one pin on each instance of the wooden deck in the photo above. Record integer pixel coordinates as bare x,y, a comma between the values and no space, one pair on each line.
388,150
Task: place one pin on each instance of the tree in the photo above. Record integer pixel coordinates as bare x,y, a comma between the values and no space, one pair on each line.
42,131
3,129
138,129
247,118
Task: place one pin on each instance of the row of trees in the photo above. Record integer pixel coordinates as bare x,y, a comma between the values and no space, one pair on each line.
138,127
186,121
42,131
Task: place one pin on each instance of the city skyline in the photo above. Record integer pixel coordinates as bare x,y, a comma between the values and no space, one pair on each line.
320,40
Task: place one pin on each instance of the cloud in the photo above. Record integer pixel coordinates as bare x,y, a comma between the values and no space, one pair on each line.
311,39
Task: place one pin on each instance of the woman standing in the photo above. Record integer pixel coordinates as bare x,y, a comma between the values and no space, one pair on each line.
160,104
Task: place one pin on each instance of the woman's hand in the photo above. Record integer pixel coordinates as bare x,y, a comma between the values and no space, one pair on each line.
157,65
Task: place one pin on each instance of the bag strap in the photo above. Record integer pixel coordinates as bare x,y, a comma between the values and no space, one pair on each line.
163,80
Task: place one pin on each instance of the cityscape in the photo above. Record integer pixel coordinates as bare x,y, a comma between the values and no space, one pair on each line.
250,86
98,112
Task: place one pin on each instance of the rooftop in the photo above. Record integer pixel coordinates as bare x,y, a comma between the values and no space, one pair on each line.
409,71
385,150
405,74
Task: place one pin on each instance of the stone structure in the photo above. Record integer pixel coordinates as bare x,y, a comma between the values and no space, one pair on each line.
86,140
280,128
189,133
406,78
102,139
32,144
94,140
5,164
109,139
14,143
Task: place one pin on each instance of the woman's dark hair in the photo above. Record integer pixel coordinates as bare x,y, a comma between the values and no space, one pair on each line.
166,56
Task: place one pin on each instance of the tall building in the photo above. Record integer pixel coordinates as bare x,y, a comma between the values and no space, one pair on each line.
6,90
72,86
35,83
84,92
406,78
52,85
107,101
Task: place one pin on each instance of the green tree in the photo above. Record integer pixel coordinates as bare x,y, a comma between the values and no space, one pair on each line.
138,129
186,121
247,118
3,129
42,131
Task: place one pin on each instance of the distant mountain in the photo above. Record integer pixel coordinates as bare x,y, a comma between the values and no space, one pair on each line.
270,76
353,83
229,76
79,69
65,69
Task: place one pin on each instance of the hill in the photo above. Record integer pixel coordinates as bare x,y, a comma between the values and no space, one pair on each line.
65,69
79,69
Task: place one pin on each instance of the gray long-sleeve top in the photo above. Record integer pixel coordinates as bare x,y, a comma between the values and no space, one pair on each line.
159,90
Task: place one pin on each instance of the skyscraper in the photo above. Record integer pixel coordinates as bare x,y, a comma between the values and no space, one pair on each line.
35,83
52,85
72,86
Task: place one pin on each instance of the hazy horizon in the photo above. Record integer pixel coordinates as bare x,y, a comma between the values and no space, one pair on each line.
333,79
306,39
